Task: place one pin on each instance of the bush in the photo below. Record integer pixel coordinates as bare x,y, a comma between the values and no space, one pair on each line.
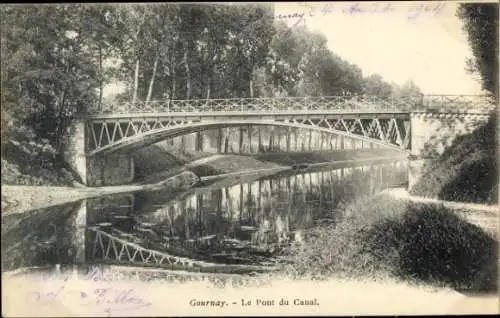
379,238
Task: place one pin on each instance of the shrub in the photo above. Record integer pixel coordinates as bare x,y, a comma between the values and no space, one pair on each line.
379,238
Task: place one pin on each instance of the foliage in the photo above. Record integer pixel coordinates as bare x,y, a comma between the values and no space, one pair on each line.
480,21
28,160
48,74
57,60
467,171
381,238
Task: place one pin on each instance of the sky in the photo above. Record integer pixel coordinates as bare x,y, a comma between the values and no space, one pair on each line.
421,41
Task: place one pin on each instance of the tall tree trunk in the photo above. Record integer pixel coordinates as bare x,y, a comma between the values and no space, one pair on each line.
136,80
226,142
229,201
249,129
208,91
152,81
219,140
250,82
240,149
260,148
101,79
271,140
60,121
199,134
174,74
188,75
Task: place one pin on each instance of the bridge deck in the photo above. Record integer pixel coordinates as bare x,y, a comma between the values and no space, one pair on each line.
205,114
334,104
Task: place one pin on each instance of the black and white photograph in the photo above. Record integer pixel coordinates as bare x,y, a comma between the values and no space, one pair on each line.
249,159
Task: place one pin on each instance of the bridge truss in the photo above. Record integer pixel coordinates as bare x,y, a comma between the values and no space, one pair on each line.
376,120
109,134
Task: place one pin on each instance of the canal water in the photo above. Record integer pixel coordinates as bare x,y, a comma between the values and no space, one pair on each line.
234,221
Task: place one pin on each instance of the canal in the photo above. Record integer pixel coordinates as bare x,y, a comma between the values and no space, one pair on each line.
239,221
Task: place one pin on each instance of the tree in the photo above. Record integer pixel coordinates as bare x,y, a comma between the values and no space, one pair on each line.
374,85
480,21
48,69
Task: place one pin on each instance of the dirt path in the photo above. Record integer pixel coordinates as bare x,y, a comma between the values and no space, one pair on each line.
482,215
19,199
203,161
404,194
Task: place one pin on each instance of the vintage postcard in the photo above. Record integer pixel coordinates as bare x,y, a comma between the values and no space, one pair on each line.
243,159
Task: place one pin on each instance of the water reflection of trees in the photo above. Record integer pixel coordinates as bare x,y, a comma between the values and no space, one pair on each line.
246,219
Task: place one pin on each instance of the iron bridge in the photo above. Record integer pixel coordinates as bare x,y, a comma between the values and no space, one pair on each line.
379,121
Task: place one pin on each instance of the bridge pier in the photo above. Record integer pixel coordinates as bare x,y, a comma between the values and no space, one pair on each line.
75,150
110,170
98,170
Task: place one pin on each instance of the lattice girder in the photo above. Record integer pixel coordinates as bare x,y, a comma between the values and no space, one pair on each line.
107,133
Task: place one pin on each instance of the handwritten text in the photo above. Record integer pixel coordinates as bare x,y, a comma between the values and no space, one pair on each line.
106,298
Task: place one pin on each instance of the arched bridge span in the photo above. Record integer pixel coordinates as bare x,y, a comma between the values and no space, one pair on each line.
123,134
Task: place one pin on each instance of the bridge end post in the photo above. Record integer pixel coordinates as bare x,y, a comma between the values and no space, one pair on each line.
422,130
75,151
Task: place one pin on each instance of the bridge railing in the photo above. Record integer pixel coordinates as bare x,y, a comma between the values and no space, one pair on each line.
270,104
457,102
299,104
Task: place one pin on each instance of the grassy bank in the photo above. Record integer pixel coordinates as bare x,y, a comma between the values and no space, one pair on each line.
467,171
158,162
28,160
292,158
383,238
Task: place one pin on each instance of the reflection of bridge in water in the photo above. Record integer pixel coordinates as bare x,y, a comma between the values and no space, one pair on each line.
244,222
110,249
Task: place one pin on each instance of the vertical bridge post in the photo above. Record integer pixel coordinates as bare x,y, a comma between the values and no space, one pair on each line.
75,151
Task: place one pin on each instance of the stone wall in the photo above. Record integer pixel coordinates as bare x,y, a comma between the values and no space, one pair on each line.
432,133
74,152
110,170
